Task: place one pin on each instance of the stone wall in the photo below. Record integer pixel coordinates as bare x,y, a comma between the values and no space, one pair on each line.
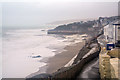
104,65
72,71
109,67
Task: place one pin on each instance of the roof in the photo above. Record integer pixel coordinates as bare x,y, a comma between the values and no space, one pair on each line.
117,23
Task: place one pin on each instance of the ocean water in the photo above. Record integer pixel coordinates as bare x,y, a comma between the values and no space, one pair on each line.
24,49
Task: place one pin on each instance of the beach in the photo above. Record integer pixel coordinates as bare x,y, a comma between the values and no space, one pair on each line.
35,52
61,59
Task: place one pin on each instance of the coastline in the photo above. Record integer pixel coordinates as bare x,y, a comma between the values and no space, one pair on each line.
61,59
76,68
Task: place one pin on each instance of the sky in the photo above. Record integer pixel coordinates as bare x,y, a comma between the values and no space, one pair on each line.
38,13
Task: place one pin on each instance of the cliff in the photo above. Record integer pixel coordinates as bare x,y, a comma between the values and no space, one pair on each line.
89,27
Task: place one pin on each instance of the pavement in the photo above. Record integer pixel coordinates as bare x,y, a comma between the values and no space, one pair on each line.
90,71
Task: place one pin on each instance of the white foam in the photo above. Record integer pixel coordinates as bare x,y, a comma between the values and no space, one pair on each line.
18,49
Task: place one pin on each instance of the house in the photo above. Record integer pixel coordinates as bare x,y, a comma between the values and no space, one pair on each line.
109,33
112,32
116,26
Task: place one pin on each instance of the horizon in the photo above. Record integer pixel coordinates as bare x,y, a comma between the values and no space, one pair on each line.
29,47
27,14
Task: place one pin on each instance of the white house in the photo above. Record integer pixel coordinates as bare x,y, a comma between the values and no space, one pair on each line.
112,32
109,33
116,26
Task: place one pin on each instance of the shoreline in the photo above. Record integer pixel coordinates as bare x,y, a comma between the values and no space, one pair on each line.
76,67
60,60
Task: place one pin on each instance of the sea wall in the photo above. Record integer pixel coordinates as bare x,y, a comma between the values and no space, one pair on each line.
63,32
72,71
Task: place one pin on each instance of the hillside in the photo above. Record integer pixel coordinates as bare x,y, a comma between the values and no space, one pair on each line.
88,27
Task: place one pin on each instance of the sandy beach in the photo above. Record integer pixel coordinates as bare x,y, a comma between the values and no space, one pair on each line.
61,59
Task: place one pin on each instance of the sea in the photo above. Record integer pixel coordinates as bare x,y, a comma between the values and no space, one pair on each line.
23,50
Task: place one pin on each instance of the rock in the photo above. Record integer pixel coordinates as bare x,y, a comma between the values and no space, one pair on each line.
43,30
36,56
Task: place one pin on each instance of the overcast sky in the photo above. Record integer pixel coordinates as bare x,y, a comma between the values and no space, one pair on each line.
29,14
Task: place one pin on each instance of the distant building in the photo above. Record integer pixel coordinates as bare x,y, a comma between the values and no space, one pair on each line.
112,32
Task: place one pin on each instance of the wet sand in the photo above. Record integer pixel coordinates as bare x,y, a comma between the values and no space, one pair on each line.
61,59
